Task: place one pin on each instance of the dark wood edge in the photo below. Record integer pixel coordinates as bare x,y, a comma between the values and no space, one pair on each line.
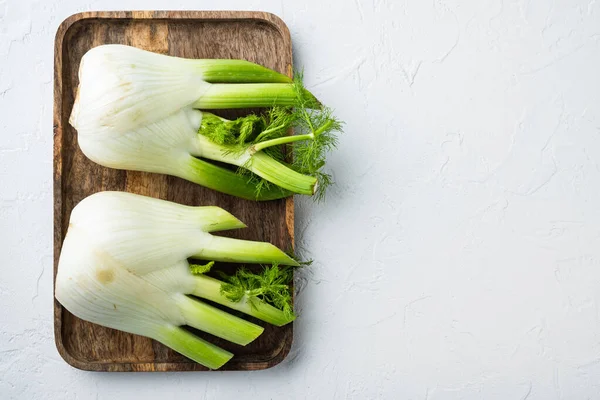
263,16
61,32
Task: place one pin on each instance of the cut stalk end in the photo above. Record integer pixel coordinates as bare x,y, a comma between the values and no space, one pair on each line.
279,174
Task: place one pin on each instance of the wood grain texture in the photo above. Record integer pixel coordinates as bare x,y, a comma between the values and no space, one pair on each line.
259,37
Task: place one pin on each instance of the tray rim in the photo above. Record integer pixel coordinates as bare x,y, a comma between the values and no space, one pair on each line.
61,32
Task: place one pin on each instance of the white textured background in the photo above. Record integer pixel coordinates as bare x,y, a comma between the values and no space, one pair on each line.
458,257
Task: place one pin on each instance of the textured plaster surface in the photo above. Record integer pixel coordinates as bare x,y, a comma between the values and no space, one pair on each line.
458,257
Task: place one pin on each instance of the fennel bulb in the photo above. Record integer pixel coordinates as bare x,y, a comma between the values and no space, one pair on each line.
123,265
137,110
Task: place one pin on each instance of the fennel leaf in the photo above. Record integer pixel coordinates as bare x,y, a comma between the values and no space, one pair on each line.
271,285
198,269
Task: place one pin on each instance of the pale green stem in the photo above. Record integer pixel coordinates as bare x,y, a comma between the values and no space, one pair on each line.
220,248
261,164
193,347
247,95
267,131
238,71
322,128
282,140
274,171
226,181
207,149
217,322
210,288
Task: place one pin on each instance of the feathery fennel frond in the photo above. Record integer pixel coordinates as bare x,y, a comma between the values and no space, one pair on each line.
226,132
315,131
271,285
198,269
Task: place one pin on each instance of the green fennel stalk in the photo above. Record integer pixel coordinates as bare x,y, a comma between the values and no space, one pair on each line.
258,145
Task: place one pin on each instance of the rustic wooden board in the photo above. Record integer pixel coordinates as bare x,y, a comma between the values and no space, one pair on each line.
259,37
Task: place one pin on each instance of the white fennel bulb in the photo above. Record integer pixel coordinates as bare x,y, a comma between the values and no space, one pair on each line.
138,110
123,87
123,265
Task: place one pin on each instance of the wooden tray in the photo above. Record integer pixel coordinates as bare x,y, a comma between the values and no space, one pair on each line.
259,37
